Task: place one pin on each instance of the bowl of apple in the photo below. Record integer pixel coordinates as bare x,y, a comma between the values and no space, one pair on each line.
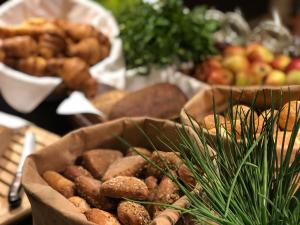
250,65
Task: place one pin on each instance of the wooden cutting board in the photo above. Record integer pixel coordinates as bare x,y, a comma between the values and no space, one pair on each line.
8,166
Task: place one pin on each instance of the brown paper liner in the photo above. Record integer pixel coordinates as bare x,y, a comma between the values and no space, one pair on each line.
48,206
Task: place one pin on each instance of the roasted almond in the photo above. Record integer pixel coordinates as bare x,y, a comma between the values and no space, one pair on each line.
80,204
101,217
71,172
127,166
59,183
97,161
90,189
125,187
131,213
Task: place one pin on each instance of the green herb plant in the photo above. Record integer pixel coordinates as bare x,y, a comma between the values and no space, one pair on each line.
165,33
251,179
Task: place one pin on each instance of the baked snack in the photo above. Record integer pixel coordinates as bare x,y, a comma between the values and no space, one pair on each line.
72,172
59,183
162,100
101,217
104,102
209,121
289,115
138,151
125,187
98,160
19,47
164,160
131,213
130,166
90,189
80,204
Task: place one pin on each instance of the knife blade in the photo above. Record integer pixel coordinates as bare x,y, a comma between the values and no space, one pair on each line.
14,193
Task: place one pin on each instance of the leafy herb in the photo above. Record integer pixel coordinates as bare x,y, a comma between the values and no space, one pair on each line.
165,33
118,6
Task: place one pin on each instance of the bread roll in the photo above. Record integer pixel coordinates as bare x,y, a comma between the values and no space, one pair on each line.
101,217
162,100
97,161
289,115
72,172
127,166
131,213
125,187
60,183
79,203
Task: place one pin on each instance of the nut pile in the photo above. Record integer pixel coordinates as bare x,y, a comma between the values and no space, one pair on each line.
42,47
104,178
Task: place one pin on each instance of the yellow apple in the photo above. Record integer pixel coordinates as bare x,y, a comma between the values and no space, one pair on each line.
236,63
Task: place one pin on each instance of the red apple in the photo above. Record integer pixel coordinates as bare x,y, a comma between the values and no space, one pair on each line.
234,50
281,62
220,76
293,65
293,77
236,63
257,52
203,70
276,78
260,70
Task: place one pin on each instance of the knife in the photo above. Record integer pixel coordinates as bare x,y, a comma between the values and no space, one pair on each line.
14,194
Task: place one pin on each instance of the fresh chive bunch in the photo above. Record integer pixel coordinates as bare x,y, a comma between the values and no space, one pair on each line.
165,33
241,179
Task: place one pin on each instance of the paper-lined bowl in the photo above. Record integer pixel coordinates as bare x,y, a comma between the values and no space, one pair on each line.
24,92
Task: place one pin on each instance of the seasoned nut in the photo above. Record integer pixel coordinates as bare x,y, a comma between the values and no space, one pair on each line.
97,161
80,204
101,217
60,183
71,172
125,187
90,189
130,213
138,151
127,166
163,160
